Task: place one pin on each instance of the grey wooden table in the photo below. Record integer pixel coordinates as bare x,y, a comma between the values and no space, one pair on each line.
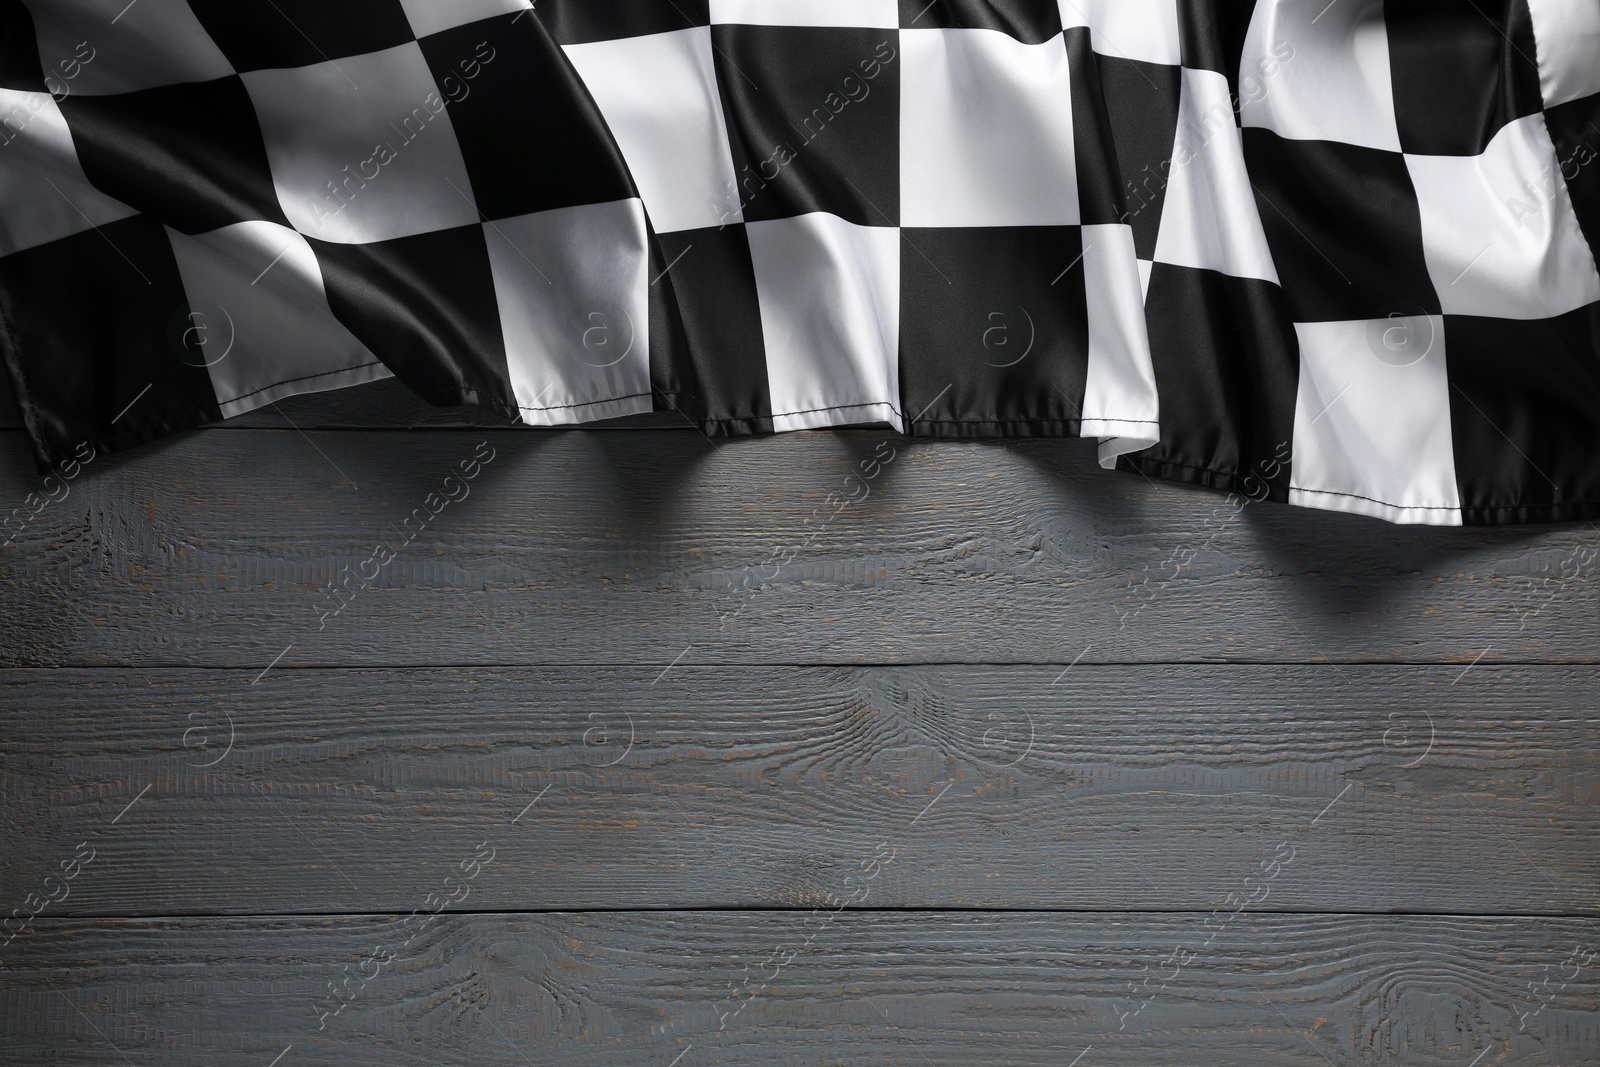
633,748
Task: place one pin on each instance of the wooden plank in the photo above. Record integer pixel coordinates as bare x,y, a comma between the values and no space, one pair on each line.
218,550
1118,787
868,988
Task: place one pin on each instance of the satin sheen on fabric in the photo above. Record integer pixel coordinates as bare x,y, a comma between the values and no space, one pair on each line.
1340,258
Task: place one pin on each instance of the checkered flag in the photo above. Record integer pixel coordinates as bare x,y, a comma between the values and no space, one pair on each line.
211,205
1423,341
957,218
881,211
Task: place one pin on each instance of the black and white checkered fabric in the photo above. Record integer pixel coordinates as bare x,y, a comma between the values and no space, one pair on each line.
1340,255
211,205
1426,172
881,211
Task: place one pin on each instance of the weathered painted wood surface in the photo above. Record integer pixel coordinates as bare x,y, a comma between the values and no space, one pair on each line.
857,988
1106,773
1111,787
218,549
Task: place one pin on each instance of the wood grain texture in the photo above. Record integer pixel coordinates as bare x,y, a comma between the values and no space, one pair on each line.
986,685
869,988
1115,787
218,550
